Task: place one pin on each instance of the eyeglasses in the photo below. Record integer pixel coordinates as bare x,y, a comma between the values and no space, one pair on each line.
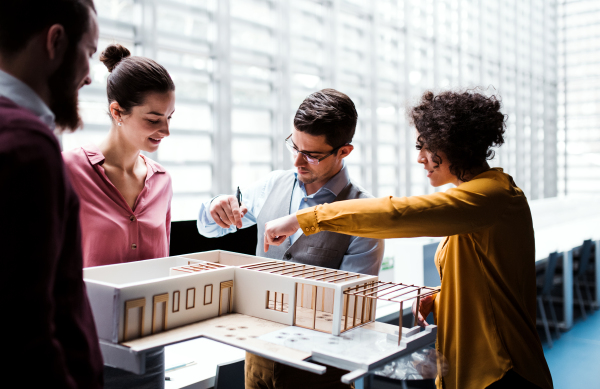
307,157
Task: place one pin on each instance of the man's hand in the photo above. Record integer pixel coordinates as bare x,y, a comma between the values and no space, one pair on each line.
225,211
425,308
277,230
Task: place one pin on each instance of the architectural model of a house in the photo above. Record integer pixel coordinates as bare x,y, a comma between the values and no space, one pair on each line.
137,299
147,304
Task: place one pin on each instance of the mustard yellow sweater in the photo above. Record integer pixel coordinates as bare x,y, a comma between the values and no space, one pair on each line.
486,308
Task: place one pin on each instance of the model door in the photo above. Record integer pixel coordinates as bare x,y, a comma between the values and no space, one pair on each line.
133,326
226,297
159,312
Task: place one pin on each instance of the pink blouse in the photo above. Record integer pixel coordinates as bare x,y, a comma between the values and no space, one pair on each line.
111,231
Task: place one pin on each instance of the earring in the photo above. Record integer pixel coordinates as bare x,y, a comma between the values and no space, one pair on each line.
119,124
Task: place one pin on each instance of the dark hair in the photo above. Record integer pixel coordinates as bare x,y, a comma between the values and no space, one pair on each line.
131,79
20,20
330,113
462,125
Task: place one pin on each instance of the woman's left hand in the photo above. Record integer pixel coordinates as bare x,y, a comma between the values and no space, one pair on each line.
425,308
277,230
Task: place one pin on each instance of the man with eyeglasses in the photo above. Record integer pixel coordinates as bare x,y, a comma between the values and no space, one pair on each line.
324,125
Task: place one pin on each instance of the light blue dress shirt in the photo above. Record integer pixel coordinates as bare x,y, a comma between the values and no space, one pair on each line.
21,94
364,255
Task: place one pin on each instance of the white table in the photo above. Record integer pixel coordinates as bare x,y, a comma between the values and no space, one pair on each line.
206,354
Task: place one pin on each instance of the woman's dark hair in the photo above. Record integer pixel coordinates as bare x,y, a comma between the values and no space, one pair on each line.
462,125
131,79
330,113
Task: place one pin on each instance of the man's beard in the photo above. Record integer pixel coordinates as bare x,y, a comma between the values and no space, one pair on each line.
64,94
308,180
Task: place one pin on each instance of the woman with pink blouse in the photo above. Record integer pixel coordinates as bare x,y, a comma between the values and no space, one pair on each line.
125,196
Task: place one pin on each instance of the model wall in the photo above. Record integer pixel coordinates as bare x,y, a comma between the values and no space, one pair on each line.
188,312
226,258
134,272
104,302
250,296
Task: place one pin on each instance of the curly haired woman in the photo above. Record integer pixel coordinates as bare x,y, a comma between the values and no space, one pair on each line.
485,310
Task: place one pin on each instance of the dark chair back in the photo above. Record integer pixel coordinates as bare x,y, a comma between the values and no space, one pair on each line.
584,258
230,375
549,274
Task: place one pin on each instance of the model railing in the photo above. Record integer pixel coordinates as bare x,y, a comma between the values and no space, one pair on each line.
306,272
380,290
198,267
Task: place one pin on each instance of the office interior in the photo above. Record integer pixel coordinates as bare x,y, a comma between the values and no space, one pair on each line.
242,67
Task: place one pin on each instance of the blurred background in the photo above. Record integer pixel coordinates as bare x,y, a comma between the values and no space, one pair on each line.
242,67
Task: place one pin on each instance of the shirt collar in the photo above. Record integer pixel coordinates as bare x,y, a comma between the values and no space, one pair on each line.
93,154
156,167
335,184
21,94
96,157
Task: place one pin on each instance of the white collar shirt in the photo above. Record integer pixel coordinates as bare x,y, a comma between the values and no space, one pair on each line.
21,94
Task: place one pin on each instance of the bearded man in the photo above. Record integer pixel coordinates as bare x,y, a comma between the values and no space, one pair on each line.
324,126
49,331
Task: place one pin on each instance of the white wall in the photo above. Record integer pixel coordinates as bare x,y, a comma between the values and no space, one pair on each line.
250,296
132,272
104,308
226,258
181,284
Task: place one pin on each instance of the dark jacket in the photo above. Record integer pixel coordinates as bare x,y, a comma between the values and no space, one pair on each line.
48,333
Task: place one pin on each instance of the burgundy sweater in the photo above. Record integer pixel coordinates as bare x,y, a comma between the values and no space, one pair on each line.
48,333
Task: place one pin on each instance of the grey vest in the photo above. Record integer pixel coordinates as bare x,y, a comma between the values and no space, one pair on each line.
324,249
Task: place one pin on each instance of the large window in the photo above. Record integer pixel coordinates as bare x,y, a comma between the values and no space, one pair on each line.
242,67
579,97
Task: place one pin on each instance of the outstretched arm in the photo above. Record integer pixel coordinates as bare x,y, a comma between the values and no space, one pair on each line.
473,205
